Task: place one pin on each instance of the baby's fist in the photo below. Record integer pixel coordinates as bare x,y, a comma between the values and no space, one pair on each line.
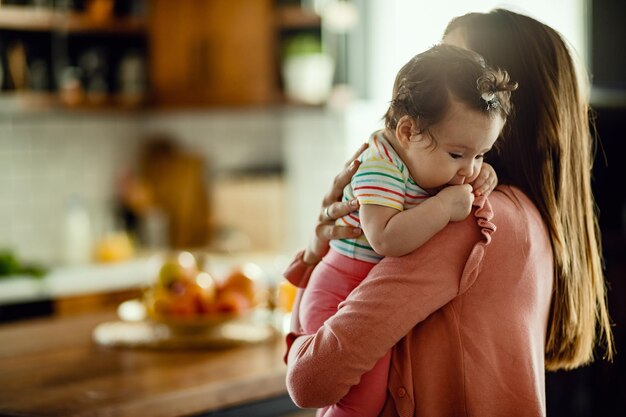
458,200
486,181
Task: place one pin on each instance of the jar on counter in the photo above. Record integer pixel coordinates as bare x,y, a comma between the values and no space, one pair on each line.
77,232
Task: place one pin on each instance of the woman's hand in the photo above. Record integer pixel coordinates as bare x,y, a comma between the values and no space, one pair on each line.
332,209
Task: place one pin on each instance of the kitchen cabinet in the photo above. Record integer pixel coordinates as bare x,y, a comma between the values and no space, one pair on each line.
51,57
220,52
195,53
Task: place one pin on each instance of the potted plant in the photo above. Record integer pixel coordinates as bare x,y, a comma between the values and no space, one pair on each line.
307,70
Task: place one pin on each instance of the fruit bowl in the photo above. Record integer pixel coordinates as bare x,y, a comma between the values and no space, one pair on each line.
136,310
186,298
199,323
217,330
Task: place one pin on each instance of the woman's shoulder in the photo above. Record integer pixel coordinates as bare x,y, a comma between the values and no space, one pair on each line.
518,222
511,206
507,214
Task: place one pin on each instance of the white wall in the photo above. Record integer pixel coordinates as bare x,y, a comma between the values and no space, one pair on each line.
402,28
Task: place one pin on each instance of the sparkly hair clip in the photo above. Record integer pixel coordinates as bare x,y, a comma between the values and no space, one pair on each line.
490,99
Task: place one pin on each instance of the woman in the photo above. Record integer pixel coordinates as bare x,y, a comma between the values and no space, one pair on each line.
475,315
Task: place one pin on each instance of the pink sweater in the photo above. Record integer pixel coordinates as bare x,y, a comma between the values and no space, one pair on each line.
466,315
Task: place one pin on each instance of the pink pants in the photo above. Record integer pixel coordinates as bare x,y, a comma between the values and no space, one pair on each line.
332,280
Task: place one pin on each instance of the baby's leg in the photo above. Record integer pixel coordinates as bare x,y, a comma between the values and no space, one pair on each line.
367,398
332,281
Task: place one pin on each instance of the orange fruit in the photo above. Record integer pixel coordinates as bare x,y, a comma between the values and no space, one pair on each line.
232,301
204,291
239,282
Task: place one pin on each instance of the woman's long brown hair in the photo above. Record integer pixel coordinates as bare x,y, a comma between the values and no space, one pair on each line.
547,151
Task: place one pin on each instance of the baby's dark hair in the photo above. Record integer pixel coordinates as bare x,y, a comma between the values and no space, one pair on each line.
426,84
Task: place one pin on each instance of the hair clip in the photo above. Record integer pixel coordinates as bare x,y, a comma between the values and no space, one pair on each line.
490,99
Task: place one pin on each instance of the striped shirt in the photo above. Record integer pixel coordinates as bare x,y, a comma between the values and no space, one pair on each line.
382,179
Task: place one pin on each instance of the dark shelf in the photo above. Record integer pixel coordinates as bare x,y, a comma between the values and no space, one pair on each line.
294,17
43,20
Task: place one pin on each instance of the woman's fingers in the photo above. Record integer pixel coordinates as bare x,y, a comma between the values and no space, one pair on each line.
339,183
331,232
326,230
358,152
324,233
338,209
343,178
332,209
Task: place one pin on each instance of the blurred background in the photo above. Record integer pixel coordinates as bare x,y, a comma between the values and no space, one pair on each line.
133,127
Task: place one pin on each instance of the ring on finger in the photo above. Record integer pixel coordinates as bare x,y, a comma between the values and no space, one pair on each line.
326,214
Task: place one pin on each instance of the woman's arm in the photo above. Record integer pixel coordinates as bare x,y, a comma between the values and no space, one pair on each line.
397,295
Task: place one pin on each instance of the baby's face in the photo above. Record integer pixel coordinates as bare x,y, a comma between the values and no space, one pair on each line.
462,139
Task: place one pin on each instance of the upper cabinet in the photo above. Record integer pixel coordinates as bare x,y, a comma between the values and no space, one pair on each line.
212,52
156,53
76,54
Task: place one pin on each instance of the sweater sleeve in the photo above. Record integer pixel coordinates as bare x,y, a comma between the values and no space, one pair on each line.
298,272
397,294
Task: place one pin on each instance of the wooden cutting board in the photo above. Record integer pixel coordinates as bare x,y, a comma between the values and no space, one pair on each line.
176,181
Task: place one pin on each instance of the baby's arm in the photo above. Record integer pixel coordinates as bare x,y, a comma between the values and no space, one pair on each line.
395,233
486,180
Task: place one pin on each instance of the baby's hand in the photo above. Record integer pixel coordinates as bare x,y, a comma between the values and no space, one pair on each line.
486,181
458,199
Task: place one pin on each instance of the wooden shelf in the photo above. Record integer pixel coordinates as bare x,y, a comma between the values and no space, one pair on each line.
294,17
199,67
39,19
29,101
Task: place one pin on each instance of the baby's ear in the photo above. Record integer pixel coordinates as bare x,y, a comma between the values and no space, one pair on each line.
407,130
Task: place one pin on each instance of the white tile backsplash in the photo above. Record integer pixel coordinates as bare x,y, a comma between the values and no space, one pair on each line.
45,158
228,140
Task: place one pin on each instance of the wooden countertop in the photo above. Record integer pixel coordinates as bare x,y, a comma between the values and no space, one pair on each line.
51,367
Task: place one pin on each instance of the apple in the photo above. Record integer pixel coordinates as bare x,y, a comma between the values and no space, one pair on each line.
232,301
182,267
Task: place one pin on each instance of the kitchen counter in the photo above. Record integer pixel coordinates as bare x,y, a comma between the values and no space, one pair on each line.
76,280
69,281
51,367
